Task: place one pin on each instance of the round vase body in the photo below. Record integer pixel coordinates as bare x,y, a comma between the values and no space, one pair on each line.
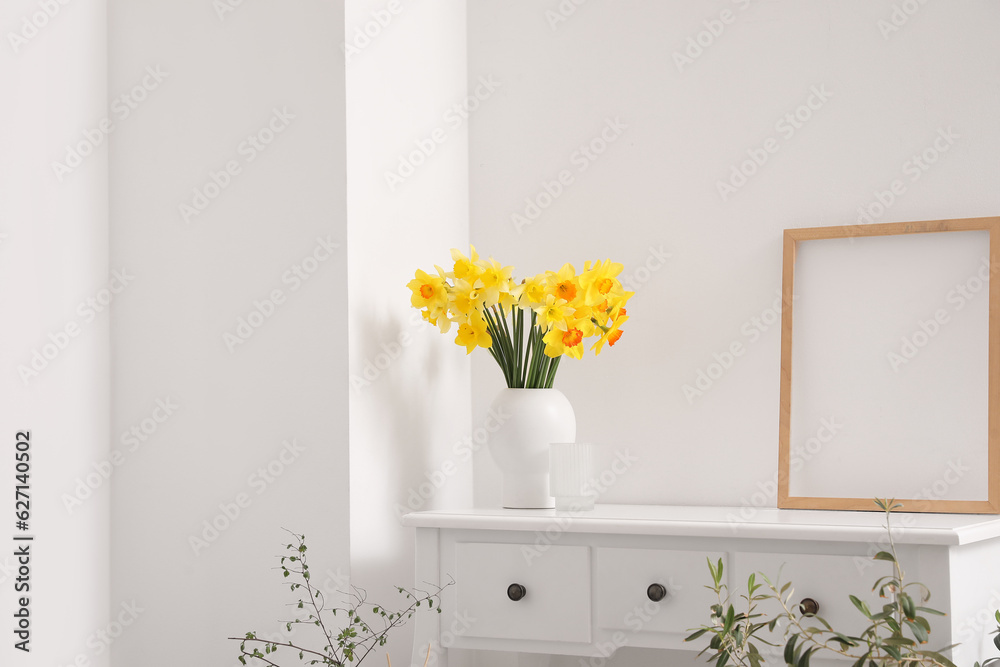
530,420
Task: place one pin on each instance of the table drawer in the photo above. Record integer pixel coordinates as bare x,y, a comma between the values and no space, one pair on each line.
623,580
828,580
556,605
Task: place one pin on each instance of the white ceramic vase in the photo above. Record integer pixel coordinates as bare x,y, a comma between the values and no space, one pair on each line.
531,419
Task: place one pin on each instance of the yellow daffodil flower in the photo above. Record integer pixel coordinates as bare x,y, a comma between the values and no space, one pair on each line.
559,342
466,268
602,313
583,319
465,298
563,283
430,293
617,305
495,279
507,298
552,313
600,281
530,293
612,334
473,333
565,309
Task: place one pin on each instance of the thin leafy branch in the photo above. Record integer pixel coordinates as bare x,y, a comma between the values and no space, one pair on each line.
733,632
894,637
367,625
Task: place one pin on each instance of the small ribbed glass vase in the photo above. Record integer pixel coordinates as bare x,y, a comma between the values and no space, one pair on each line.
571,469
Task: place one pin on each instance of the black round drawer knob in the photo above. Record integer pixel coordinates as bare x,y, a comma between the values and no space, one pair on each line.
656,592
809,607
516,592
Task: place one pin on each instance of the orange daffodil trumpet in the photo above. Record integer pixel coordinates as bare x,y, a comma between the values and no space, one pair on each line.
430,294
490,308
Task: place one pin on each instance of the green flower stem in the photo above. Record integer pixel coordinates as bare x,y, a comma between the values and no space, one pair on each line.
503,321
536,367
507,341
499,342
544,371
524,365
553,367
493,353
537,360
519,334
529,362
508,353
527,352
500,353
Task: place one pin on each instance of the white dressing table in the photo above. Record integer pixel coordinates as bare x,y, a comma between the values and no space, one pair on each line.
588,583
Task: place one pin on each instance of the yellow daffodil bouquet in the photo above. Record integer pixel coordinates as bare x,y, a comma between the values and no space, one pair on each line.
488,305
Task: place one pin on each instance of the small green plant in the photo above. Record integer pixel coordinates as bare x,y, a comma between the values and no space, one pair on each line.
996,642
350,642
733,632
895,635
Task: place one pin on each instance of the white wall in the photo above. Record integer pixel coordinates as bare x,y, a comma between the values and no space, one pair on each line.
53,256
655,187
237,403
409,397
552,86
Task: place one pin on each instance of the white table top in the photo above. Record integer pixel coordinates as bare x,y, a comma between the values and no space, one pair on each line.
730,522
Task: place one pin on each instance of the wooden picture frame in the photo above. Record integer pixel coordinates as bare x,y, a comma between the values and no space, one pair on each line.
990,504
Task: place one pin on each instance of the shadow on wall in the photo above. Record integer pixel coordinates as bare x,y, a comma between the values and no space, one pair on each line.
399,390
398,384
